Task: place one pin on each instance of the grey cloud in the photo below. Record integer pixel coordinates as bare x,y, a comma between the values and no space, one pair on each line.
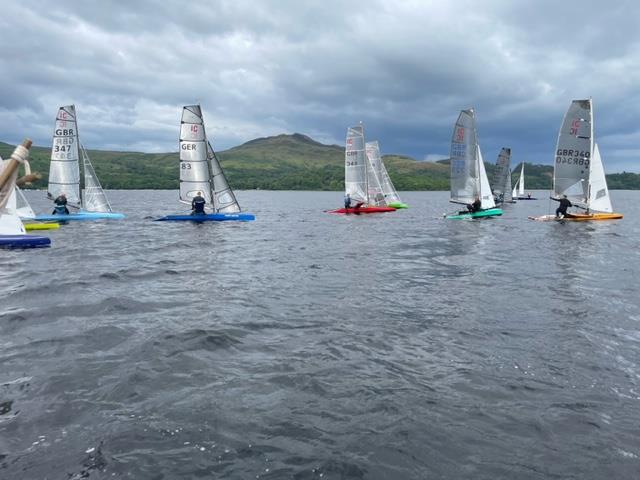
261,68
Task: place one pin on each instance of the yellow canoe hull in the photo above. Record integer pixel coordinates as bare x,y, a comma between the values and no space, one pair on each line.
584,217
579,217
41,226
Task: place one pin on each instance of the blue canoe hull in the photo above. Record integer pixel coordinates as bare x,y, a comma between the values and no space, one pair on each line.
24,241
211,217
81,216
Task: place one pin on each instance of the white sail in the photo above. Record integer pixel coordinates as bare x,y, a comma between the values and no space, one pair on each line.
518,190
19,204
463,159
94,198
374,174
10,223
224,199
486,197
502,177
355,165
468,176
194,163
599,199
388,190
64,170
200,169
573,153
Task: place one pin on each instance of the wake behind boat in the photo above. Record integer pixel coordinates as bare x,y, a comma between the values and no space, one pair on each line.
64,189
201,176
578,173
469,182
363,191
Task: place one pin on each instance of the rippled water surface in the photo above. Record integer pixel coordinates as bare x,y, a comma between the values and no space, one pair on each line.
307,345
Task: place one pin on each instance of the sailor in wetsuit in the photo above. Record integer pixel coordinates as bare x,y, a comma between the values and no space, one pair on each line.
197,204
561,211
475,206
347,201
60,205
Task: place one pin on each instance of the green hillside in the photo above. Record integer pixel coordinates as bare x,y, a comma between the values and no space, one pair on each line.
283,162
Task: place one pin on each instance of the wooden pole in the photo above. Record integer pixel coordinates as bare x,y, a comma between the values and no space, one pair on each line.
21,153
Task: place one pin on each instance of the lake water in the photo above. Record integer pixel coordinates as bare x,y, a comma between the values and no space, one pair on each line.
306,345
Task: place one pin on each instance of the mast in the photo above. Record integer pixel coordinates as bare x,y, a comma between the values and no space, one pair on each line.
592,155
209,167
478,160
366,173
81,173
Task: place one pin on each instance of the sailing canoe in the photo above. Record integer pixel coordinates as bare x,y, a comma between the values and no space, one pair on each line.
468,175
201,172
578,172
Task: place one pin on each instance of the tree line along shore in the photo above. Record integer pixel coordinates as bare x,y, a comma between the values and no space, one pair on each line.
285,162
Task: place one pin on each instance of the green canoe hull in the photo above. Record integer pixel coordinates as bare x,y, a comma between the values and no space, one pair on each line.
398,205
492,212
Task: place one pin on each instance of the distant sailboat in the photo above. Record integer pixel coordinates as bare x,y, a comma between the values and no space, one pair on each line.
64,174
518,190
200,171
502,178
578,173
468,176
357,177
390,196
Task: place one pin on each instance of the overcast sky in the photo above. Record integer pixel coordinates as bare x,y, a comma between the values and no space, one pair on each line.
260,68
